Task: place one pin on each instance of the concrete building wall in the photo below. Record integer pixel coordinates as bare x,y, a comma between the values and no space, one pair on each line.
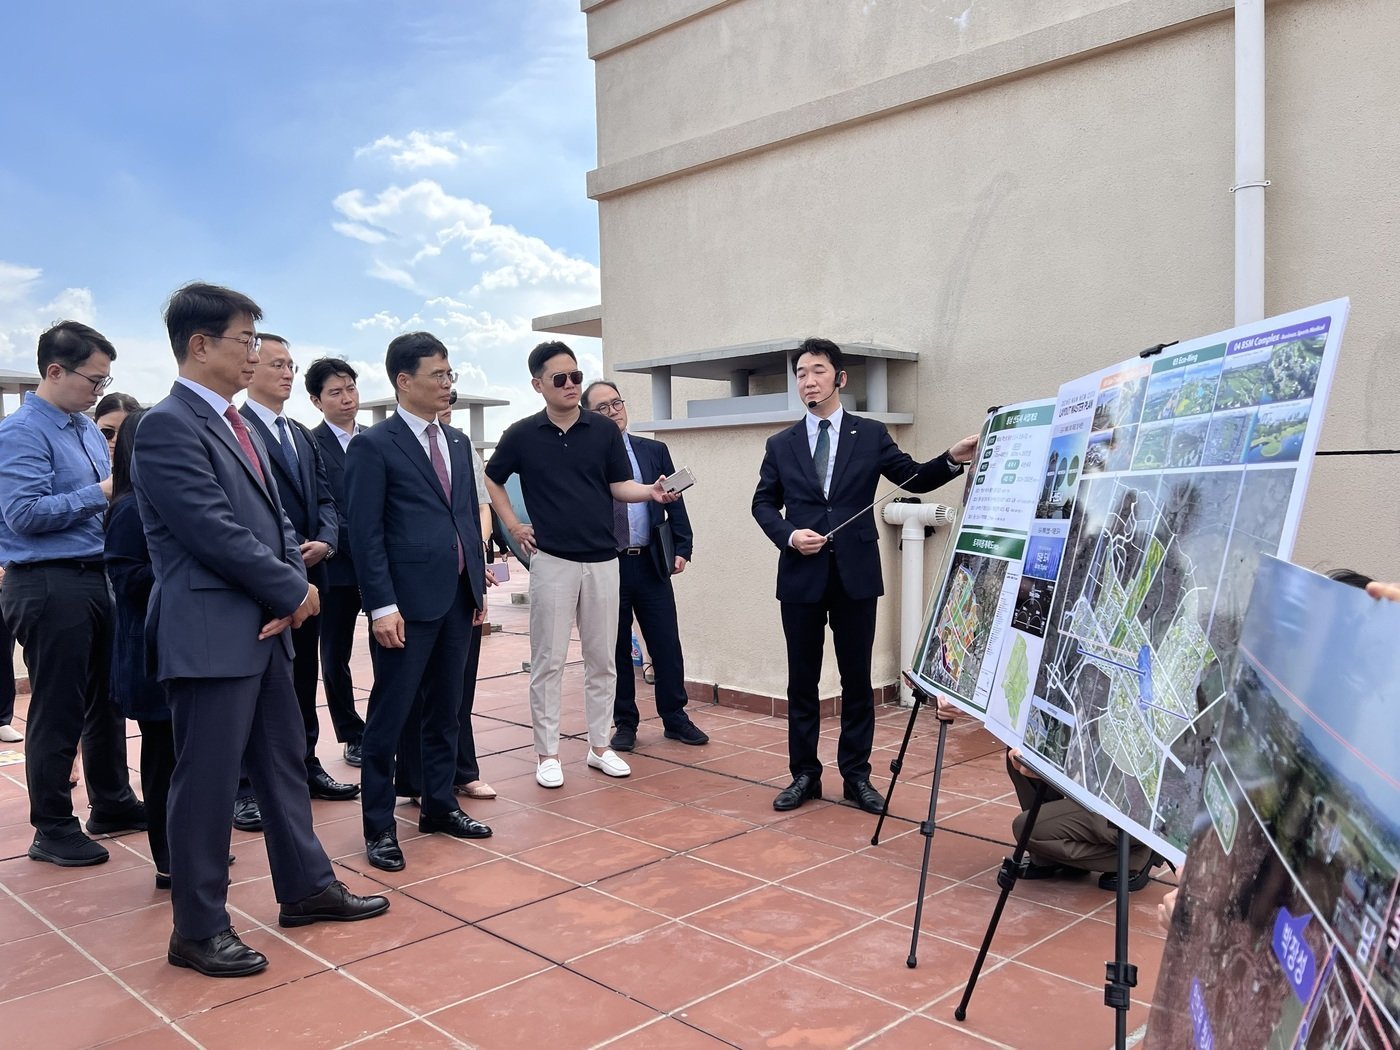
1020,199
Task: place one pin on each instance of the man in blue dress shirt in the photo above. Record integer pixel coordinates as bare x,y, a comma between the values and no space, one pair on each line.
55,481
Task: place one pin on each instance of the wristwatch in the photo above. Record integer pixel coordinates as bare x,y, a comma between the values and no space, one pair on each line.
953,464
330,551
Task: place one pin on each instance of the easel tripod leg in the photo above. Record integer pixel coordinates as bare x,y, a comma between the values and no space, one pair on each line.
1011,868
927,829
897,763
1121,975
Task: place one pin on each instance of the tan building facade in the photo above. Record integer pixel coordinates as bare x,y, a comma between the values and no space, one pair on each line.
1016,193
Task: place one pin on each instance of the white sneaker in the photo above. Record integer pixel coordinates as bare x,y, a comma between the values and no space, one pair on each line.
609,763
10,735
549,773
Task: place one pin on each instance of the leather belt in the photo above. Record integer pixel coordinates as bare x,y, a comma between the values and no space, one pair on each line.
82,564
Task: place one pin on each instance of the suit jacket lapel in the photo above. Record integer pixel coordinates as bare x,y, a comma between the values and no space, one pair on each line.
464,494
797,438
409,446
269,440
220,429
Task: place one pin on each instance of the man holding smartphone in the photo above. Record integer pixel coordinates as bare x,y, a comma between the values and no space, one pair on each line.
654,543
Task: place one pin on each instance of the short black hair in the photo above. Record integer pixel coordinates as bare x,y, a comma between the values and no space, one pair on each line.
198,307
116,402
405,351
69,344
542,353
588,390
265,336
319,373
822,347
1350,577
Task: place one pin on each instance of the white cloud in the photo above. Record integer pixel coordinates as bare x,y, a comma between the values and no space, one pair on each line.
359,232
423,149
23,316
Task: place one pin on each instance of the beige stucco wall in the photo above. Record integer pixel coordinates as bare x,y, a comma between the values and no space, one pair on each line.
1015,235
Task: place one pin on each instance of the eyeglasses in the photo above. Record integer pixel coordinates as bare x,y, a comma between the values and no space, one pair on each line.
442,378
609,407
561,378
286,366
101,383
250,342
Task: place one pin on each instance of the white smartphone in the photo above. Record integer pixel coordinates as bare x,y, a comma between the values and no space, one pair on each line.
679,481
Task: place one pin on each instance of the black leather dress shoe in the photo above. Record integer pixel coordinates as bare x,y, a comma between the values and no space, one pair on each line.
335,903
246,814
133,818
624,738
222,955
323,787
1136,879
383,851
456,823
687,732
799,791
352,755
864,795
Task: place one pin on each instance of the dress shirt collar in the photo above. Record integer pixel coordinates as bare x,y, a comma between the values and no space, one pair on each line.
50,412
813,423
418,425
264,413
343,436
217,402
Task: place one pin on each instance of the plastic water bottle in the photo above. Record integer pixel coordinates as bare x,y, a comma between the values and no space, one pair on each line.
636,651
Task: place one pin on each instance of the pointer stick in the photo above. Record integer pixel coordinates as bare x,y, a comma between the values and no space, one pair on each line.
878,500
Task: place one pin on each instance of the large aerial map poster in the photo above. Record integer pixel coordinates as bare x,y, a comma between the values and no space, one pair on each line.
1195,466
969,615
1291,898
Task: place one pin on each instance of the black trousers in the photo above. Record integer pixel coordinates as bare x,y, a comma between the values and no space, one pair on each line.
7,672
306,679
340,613
408,768
157,766
431,662
853,632
62,617
218,725
650,598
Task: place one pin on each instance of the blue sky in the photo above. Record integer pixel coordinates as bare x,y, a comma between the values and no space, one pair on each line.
359,168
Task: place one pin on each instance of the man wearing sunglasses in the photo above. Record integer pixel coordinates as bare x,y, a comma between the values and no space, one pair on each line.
572,465
55,481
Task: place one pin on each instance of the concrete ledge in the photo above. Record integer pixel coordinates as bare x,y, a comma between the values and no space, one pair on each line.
774,706
1074,40
609,31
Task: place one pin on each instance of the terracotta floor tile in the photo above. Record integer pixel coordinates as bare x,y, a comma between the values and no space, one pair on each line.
1080,895
953,856
754,734
787,1007
1064,1015
865,882
752,802
921,1033
962,913
326,1009
179,992
1079,953
874,959
777,921
990,820
487,889
976,778
666,1033
127,937
40,963
416,1035
17,922
424,858
48,1019
685,784
841,825
530,1014
671,965
749,764
406,921
22,875
677,886
683,828
608,808
768,854
592,856
14,842
463,962
528,828
68,904
159,1037
572,924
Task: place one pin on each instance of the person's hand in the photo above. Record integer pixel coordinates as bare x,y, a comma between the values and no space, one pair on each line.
1166,907
659,493
309,607
491,576
313,552
805,541
524,535
2,575
1378,589
106,486
479,617
1021,767
965,451
388,630
274,627
679,566
945,711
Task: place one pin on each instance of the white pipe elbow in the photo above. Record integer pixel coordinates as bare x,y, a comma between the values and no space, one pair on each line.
918,514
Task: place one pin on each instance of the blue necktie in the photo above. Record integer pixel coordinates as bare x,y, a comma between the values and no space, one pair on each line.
822,455
289,449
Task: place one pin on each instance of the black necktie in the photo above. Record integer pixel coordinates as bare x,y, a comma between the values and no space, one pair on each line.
822,455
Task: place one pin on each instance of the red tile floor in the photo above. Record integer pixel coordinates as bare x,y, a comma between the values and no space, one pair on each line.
671,910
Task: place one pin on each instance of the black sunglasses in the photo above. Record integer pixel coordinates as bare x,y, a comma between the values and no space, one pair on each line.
560,378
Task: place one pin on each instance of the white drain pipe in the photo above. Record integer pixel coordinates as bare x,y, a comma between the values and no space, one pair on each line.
1250,182
914,517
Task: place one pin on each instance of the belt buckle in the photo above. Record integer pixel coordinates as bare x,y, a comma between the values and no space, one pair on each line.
632,551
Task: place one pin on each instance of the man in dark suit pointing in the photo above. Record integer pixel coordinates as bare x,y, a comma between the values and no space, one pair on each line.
229,582
416,530
815,475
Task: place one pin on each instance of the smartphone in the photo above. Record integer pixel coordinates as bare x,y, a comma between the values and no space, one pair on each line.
679,481
499,569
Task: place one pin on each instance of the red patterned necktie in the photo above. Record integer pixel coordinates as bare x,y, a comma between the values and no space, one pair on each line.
440,469
240,431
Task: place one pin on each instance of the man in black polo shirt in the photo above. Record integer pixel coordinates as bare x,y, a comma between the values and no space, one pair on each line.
572,465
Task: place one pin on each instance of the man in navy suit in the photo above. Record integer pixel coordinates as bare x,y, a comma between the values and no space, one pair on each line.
654,543
304,488
419,556
229,582
331,384
815,475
